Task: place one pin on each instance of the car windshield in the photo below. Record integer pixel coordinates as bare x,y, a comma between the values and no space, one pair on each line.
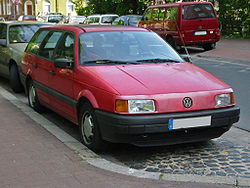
29,17
134,19
119,47
197,11
22,33
55,18
108,19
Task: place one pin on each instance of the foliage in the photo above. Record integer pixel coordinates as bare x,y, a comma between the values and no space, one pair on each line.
233,15
229,12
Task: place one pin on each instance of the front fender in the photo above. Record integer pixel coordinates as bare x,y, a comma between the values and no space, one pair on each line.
89,96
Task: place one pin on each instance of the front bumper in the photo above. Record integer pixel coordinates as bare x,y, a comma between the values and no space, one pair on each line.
151,130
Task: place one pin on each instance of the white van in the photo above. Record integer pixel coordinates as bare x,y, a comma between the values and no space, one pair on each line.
101,19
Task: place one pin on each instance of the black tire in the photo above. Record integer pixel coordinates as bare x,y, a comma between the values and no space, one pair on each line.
89,129
32,97
172,42
209,46
15,82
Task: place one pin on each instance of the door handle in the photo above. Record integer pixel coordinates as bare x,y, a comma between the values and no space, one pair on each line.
52,72
35,65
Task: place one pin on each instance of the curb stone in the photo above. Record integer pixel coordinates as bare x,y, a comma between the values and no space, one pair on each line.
95,160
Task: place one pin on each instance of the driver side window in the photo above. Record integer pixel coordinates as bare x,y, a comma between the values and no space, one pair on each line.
65,49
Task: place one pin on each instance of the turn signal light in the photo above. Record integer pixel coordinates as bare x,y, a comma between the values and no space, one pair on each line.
121,106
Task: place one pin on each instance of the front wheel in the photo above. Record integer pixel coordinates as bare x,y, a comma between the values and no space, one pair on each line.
89,129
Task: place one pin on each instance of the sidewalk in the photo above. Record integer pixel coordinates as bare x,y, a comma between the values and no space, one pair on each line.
230,50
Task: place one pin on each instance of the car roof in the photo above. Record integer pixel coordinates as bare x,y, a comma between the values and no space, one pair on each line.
178,4
94,28
100,15
22,23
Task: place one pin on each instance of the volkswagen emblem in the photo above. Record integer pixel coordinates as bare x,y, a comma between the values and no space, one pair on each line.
187,102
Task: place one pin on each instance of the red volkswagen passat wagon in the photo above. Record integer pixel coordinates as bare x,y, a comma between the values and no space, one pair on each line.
124,85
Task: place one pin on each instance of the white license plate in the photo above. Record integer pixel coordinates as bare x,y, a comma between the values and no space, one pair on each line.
196,33
184,123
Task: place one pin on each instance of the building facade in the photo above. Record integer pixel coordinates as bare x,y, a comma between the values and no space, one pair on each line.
66,7
12,9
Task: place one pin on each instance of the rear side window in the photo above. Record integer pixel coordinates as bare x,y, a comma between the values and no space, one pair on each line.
158,14
197,11
171,13
147,14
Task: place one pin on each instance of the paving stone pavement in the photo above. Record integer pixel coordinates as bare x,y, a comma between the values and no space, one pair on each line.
218,157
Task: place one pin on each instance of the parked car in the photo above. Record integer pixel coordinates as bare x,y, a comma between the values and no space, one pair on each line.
186,23
53,17
128,20
76,19
104,19
2,19
14,37
26,18
124,85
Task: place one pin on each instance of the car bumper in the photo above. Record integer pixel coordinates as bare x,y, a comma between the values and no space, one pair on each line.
152,130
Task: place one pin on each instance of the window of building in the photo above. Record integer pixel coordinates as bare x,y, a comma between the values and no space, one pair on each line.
46,6
8,7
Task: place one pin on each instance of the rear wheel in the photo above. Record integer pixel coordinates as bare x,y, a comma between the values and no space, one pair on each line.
89,129
15,82
209,46
32,97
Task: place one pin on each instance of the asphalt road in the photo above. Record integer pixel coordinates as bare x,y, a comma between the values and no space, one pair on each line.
238,77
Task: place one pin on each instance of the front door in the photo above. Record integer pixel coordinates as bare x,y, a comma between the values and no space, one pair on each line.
62,79
29,9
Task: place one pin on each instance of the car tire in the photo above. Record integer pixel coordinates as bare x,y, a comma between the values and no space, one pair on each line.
32,97
89,129
172,42
15,82
209,46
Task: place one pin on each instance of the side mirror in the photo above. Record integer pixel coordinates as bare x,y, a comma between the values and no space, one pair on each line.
186,57
3,42
63,63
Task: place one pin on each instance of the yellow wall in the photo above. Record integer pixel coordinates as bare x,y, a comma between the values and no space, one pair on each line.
61,6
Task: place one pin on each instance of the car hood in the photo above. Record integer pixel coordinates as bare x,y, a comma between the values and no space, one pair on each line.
150,79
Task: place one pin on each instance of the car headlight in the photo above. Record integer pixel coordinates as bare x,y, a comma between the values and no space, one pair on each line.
135,106
224,99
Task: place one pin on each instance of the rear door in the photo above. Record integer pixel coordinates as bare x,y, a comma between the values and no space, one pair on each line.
40,55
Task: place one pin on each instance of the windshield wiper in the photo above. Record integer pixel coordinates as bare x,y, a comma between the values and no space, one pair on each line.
158,60
108,61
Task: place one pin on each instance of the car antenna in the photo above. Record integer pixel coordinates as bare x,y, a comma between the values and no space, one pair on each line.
187,55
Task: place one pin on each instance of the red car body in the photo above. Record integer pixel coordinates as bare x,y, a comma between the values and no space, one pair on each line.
64,90
178,25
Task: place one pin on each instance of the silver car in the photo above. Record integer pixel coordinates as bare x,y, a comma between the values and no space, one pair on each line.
14,37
